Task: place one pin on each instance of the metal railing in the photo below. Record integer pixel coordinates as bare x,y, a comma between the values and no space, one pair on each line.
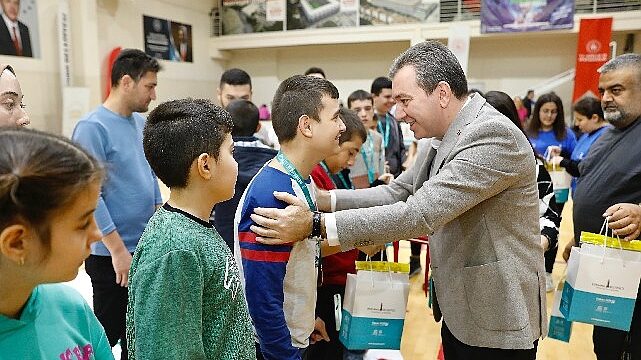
460,10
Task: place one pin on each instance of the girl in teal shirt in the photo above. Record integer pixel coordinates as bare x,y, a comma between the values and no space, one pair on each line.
48,193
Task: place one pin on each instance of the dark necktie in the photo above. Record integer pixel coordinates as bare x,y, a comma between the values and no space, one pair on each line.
16,43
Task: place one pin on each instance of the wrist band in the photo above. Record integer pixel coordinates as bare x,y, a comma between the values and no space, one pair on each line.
316,225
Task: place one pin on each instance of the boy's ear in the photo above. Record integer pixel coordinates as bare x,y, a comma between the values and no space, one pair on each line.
305,125
14,243
205,166
258,127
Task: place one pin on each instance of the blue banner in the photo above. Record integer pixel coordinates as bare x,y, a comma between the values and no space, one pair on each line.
526,15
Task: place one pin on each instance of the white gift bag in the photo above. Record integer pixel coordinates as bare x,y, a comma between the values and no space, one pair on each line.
561,181
602,285
374,309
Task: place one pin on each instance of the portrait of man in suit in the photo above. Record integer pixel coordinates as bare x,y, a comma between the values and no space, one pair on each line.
14,35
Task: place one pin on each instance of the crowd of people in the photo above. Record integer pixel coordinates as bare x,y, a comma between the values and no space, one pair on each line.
266,219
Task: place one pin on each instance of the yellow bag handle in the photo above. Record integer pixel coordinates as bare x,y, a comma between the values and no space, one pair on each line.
600,239
383,266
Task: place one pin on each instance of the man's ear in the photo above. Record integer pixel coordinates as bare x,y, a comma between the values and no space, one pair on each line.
126,82
14,243
305,125
444,94
258,127
205,166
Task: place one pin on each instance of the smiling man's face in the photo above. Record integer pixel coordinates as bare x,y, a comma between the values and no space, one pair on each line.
415,107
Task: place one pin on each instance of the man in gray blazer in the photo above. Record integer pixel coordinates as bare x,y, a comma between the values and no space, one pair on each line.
473,190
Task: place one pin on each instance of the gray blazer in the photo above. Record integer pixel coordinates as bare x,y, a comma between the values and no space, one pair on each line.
476,196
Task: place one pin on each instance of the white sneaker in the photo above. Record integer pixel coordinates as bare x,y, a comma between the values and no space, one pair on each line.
549,284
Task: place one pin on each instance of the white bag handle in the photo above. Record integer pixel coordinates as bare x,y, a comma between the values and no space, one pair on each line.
548,157
368,259
604,232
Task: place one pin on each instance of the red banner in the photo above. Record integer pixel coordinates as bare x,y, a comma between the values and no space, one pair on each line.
593,50
110,63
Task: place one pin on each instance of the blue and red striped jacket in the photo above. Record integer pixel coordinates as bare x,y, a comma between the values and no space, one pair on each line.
280,281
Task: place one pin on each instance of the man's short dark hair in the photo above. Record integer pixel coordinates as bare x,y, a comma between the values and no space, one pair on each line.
433,62
359,95
178,131
245,115
353,126
297,96
132,62
315,70
379,84
235,77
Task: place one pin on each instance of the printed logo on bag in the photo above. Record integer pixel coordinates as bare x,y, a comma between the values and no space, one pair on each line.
608,286
381,309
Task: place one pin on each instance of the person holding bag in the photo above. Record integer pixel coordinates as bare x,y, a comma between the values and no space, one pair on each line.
609,184
602,281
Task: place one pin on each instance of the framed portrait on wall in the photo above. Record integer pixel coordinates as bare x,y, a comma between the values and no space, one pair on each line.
19,34
167,40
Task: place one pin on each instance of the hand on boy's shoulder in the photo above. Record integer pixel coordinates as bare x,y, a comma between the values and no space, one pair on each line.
280,226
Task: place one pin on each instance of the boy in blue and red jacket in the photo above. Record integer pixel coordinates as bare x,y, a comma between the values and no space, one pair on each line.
280,281
328,176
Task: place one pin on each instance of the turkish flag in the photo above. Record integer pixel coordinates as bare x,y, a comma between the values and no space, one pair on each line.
593,50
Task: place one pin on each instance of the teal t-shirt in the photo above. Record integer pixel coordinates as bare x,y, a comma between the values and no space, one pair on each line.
56,323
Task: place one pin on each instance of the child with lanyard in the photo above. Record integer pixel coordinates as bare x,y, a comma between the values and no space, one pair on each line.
327,176
369,168
280,281
48,194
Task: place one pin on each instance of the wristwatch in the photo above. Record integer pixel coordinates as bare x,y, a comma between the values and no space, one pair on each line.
316,225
